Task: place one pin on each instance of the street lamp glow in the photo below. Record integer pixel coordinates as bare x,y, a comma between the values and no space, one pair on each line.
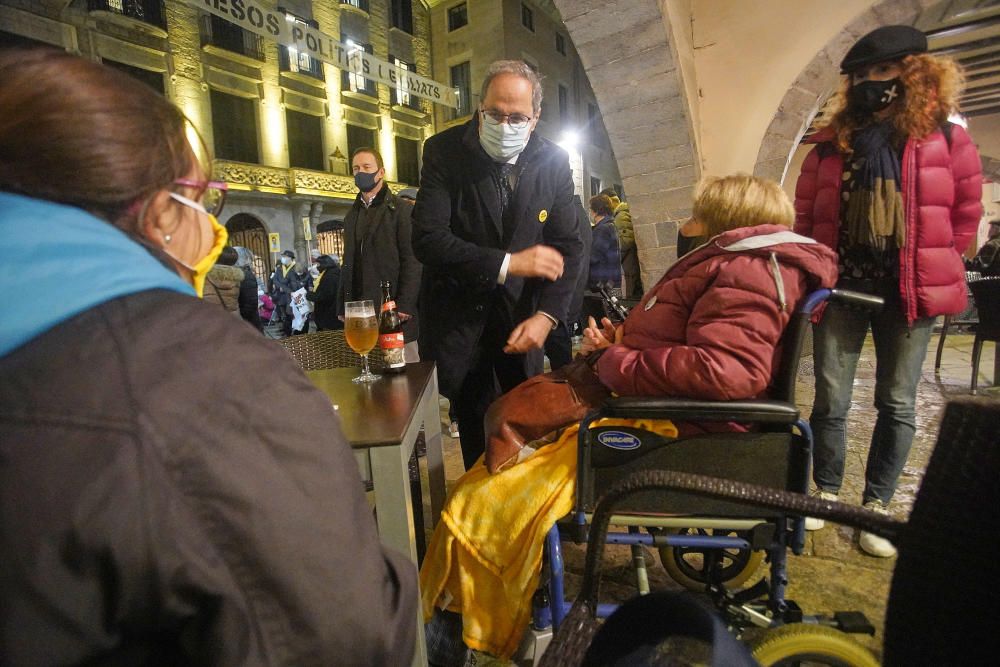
570,140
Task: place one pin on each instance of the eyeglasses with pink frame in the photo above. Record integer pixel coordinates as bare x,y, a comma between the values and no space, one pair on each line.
213,193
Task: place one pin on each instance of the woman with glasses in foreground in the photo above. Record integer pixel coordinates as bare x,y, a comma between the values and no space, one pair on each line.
151,510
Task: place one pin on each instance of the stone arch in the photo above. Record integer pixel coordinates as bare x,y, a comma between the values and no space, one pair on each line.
249,231
633,69
818,80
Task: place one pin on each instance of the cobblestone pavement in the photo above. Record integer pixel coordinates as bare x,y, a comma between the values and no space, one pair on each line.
832,574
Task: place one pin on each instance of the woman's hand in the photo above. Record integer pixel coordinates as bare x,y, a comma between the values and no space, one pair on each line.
598,339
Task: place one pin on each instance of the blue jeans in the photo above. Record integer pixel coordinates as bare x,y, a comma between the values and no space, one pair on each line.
899,357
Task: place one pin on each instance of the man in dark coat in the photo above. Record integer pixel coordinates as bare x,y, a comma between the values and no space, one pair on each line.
496,231
559,344
377,247
286,280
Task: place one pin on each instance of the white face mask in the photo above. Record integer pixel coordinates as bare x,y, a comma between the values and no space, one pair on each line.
500,141
286,261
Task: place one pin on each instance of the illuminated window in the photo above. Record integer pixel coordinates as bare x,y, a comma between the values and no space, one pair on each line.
330,237
353,79
229,36
400,97
360,4
293,60
461,78
149,11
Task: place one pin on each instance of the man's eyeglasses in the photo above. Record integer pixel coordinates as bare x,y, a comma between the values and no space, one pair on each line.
211,193
517,121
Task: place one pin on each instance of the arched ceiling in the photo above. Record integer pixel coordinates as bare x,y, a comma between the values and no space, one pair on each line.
967,30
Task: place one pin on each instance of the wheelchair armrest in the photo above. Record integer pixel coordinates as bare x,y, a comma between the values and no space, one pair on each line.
685,409
858,300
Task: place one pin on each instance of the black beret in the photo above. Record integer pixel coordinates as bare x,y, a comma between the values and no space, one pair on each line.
288,253
890,42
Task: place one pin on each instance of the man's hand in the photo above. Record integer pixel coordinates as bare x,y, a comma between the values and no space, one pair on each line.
529,334
538,261
403,317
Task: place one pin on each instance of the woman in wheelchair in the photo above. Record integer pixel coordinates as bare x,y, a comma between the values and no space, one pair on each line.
709,329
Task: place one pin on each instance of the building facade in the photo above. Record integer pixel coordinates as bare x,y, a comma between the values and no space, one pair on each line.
280,125
467,35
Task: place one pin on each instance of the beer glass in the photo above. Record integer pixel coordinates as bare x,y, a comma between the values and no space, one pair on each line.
361,332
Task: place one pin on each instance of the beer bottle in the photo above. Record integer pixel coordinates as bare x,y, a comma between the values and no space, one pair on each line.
390,332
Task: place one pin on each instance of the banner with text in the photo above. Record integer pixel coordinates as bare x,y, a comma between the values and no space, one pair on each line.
272,24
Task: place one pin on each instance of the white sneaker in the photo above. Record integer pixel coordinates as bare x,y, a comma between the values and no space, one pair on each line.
453,429
871,544
812,523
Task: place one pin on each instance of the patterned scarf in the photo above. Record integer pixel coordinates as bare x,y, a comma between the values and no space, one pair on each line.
874,215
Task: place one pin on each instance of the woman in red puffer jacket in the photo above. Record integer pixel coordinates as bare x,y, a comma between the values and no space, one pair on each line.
710,327
895,188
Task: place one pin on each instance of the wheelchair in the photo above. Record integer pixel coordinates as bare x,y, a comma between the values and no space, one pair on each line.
708,544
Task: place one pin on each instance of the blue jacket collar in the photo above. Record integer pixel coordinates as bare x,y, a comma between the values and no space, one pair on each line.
60,261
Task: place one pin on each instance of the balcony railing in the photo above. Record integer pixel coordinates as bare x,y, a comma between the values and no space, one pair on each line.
147,11
242,176
360,4
292,60
225,35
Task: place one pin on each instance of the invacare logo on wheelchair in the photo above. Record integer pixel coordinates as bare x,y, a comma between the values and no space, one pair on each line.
619,440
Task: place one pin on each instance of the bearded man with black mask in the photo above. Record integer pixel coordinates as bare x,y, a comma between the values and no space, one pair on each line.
377,247
496,229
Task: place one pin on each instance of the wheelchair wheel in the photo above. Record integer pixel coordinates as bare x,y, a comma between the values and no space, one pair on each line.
687,566
809,644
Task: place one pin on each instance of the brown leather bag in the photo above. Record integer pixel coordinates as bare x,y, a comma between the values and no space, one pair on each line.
539,406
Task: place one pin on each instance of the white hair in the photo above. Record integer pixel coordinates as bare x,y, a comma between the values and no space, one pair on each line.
517,68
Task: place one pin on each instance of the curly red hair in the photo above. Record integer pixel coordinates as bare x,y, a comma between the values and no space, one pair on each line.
932,84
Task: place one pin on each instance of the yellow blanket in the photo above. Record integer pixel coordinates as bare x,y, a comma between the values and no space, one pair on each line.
485,557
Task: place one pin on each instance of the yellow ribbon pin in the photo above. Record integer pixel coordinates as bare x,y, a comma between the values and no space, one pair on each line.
543,215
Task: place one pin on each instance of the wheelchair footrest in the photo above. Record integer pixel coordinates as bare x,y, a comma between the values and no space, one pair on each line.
853,622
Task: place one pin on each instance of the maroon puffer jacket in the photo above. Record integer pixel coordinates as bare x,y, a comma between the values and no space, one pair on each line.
710,327
942,192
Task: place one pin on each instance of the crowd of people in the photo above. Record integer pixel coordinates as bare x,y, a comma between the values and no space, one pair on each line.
154,508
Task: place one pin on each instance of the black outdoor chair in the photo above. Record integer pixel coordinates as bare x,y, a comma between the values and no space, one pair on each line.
987,295
965,318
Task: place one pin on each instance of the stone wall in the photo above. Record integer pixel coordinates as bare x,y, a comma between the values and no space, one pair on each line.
635,77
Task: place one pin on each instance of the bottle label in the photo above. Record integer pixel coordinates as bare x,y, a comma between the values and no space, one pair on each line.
388,305
392,349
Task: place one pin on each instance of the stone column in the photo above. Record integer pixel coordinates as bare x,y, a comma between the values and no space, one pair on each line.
300,210
639,89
